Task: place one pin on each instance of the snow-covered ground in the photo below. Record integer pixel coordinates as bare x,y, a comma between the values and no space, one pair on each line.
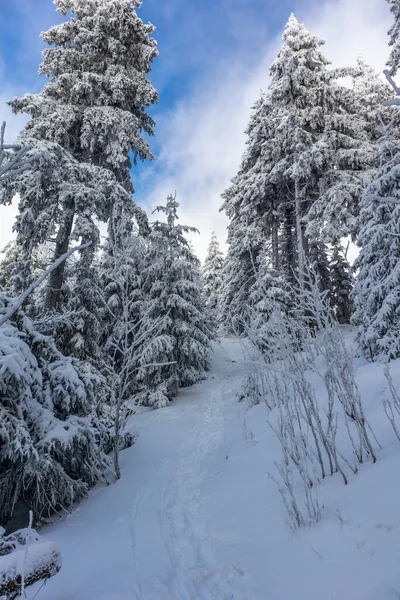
196,516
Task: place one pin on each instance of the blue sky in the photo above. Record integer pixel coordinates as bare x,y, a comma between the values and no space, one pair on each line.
214,58
194,39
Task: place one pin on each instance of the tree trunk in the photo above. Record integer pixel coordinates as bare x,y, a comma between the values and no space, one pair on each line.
56,280
289,245
117,401
275,244
299,236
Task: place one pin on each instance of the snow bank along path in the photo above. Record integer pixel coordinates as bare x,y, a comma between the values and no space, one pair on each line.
196,517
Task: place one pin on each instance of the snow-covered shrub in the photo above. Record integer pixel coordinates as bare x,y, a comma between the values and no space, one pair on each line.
318,436
52,443
391,405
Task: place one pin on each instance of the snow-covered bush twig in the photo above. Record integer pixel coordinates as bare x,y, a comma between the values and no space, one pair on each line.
300,343
392,406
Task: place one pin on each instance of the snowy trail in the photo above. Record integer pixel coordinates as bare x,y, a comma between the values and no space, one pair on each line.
193,571
195,515
161,522
185,522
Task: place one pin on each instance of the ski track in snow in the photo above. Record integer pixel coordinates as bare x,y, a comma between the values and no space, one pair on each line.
181,517
195,572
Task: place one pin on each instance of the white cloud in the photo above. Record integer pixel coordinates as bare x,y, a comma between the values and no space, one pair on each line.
202,140
202,143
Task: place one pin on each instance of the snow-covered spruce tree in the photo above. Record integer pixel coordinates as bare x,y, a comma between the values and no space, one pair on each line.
123,253
319,259
322,144
252,207
175,310
376,293
371,90
52,441
270,295
212,275
92,111
301,177
238,278
341,286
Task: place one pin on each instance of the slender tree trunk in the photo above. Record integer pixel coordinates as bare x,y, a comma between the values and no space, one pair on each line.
56,280
275,244
289,245
299,237
116,445
117,403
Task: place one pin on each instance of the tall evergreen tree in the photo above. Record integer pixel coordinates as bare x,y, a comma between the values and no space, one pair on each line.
253,211
341,286
301,178
86,122
212,275
376,293
175,310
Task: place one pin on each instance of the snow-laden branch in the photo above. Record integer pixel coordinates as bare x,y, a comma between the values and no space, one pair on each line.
19,161
155,364
389,199
393,85
15,306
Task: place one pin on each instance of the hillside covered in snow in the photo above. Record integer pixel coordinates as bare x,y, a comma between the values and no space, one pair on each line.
197,516
179,430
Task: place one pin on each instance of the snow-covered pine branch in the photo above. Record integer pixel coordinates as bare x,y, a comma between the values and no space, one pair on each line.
18,303
16,162
53,442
